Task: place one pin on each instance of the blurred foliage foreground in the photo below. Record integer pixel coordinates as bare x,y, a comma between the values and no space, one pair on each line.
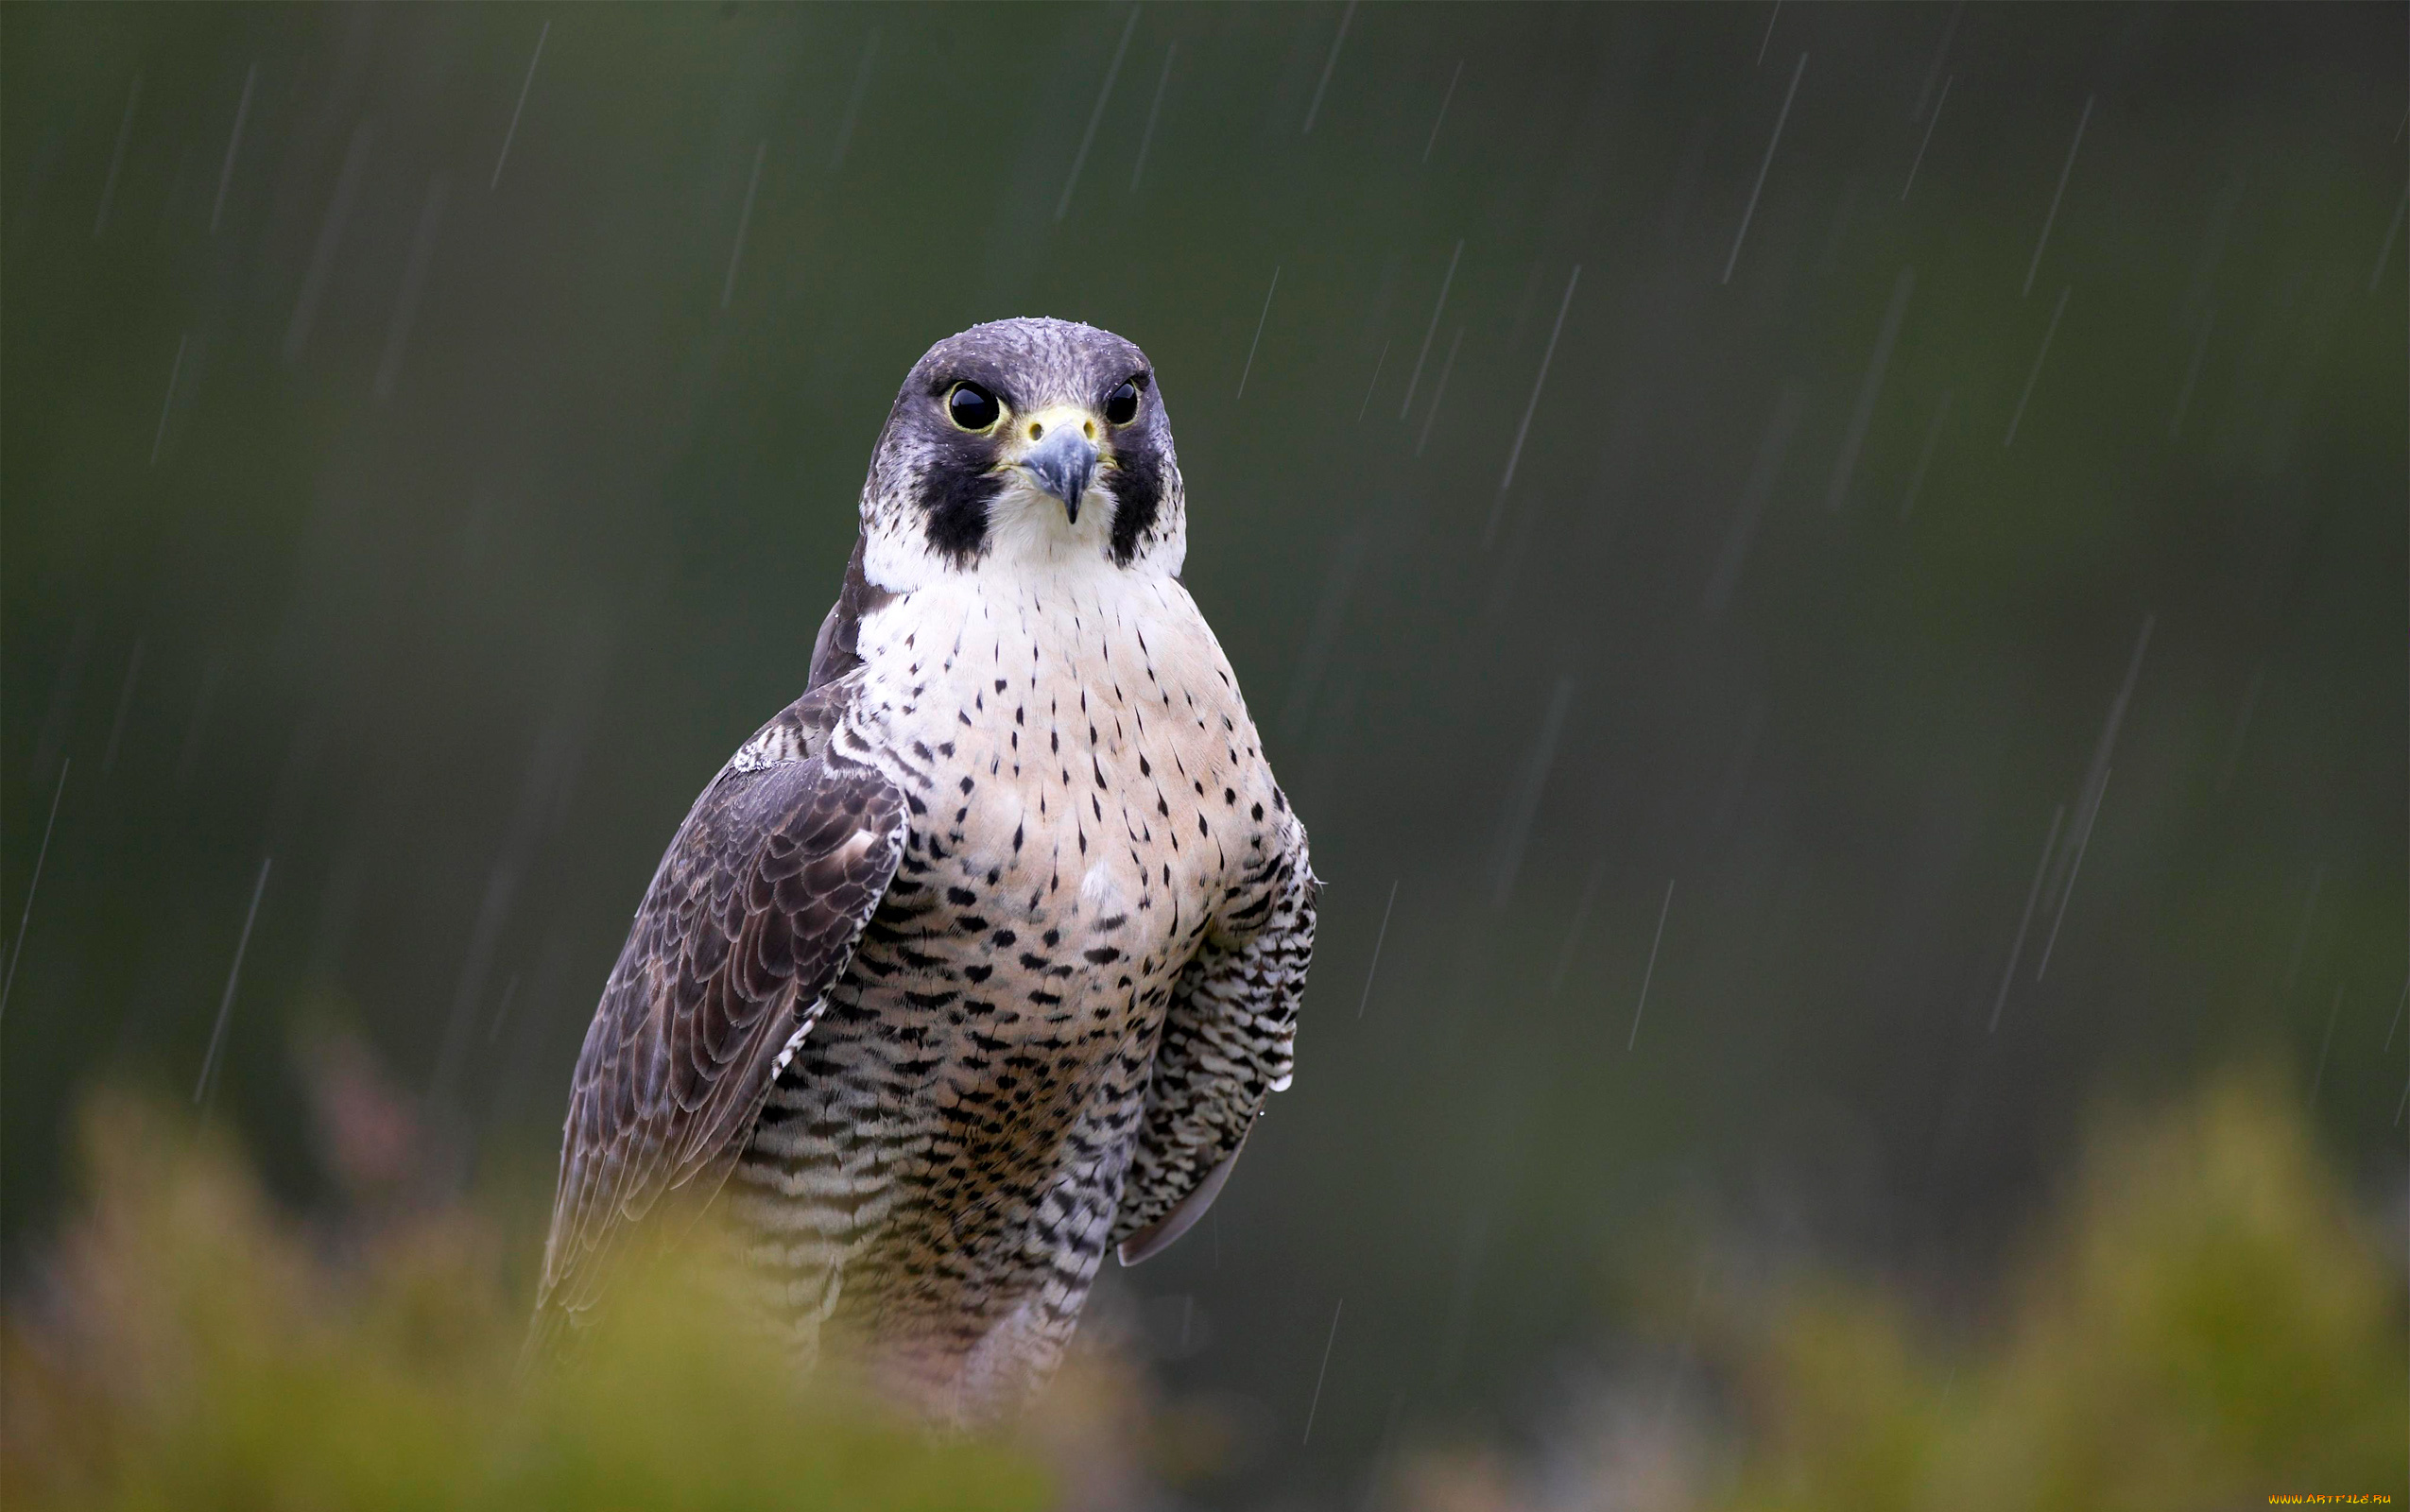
2205,1321
195,1347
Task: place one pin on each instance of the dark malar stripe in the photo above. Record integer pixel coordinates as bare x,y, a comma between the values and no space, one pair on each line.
955,490
1138,499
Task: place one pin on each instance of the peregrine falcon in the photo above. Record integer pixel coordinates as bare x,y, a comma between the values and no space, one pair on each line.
983,955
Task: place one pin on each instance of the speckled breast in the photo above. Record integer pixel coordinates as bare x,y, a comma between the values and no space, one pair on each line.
1085,790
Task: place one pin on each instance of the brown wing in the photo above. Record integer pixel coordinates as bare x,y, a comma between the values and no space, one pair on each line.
1228,1040
754,913
835,650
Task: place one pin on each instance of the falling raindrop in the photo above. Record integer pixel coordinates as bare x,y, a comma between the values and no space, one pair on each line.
1431,329
117,158
743,220
1514,455
1088,138
1754,495
1378,940
2242,726
1940,54
1847,463
2392,229
168,406
1925,455
1517,831
1323,1374
1314,654
2317,1082
1315,109
501,1013
1927,139
1650,975
2033,896
1440,119
854,102
1573,930
2083,843
1154,113
347,183
125,706
1377,365
233,975
2096,784
234,146
414,277
25,920
2047,221
1438,395
1759,187
2023,399
1267,315
525,85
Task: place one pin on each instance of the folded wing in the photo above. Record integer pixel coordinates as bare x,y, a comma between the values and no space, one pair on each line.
754,913
1228,1040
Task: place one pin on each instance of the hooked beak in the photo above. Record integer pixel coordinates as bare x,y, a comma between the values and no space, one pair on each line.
1064,462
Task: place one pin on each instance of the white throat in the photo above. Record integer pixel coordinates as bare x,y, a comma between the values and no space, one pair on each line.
1031,538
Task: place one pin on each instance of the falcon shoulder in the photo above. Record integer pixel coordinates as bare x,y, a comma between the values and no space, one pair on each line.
835,650
1228,1040
754,913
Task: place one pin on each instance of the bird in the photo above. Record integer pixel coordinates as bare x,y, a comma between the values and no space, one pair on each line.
982,956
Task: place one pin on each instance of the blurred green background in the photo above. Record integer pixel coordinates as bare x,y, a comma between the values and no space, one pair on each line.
428,521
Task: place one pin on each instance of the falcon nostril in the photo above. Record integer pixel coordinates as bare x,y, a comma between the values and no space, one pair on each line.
1036,431
1087,428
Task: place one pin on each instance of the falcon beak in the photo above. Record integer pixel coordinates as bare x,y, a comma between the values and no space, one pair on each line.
1064,460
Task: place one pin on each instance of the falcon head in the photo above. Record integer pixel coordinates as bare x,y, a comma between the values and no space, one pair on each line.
1020,444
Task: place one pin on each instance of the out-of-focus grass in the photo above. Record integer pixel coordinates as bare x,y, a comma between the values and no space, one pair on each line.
192,1347
2204,1320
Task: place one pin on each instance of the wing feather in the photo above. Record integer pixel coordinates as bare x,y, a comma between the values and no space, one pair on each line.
754,915
1229,1041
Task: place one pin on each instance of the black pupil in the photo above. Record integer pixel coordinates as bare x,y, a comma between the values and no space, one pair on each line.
1120,406
973,407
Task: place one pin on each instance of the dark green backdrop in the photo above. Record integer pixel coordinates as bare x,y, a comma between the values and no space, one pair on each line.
433,521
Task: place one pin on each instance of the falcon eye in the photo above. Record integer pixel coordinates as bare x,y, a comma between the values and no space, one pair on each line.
973,407
1120,406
